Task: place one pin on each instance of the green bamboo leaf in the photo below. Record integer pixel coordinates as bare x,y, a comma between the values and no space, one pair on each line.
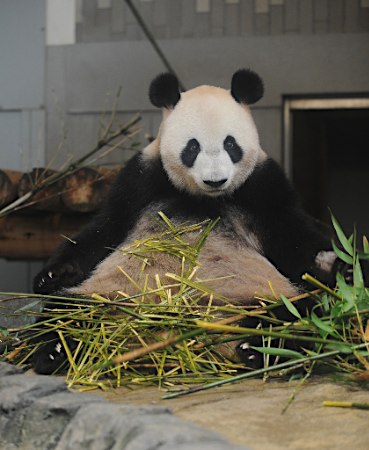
4,331
342,348
341,236
362,353
358,274
365,245
343,256
321,324
28,306
363,255
283,352
291,308
325,301
346,291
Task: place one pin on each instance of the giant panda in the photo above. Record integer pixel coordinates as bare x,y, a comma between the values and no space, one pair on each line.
205,163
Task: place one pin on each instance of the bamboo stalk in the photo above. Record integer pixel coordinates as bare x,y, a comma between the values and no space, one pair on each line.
257,332
307,277
346,404
134,354
255,373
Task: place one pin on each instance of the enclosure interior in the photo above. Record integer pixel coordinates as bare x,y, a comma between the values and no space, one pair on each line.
329,164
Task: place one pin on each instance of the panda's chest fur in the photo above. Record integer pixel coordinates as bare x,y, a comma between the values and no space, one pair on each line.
232,249
235,227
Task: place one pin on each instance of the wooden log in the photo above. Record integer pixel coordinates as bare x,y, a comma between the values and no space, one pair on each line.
36,236
9,180
86,189
48,198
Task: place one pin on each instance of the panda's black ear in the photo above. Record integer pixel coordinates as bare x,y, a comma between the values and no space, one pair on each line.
164,91
247,86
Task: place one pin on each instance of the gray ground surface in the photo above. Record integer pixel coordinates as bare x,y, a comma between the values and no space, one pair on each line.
39,413
250,413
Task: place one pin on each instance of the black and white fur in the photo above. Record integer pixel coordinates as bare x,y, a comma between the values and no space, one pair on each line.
206,162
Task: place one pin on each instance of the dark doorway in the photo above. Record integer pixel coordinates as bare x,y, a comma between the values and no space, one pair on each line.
329,164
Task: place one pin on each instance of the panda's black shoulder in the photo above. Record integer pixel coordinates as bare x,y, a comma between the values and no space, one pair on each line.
139,182
267,189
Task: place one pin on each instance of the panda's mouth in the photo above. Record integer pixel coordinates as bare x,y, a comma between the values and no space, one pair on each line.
215,185
214,192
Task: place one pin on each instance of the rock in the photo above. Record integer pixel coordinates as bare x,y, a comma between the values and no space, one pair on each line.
7,369
39,412
16,313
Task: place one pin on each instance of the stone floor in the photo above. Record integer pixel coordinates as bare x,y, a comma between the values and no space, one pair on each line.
250,413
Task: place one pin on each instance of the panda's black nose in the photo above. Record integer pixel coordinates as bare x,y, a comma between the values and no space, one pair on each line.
215,184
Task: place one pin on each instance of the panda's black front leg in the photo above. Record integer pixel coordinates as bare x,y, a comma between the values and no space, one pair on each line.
254,359
54,277
251,358
135,187
50,356
76,258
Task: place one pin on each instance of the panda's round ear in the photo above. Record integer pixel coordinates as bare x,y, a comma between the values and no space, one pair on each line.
247,86
164,91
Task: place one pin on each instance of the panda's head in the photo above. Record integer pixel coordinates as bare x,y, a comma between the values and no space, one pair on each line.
208,141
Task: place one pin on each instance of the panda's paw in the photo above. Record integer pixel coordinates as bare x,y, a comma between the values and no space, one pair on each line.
346,270
51,357
251,358
53,278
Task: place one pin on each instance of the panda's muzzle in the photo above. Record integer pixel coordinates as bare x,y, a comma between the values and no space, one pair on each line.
215,184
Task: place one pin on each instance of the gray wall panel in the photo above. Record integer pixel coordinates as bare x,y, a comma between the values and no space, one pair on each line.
333,63
269,123
11,140
289,65
22,139
22,38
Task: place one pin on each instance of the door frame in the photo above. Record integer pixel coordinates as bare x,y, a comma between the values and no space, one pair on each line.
313,102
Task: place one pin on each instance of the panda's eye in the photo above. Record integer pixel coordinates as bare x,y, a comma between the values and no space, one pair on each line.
229,142
233,149
190,152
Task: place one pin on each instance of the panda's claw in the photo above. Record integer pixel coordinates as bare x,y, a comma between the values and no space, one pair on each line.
58,347
248,356
56,277
244,346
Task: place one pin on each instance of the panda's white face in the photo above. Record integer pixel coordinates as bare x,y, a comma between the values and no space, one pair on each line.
209,143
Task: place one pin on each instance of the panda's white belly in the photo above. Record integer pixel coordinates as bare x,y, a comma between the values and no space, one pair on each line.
229,250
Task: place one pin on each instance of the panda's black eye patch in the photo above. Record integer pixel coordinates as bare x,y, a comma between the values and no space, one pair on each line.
233,149
190,152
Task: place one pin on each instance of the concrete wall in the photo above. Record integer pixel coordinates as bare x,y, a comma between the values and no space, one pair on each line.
297,46
22,114
77,86
22,83
111,20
